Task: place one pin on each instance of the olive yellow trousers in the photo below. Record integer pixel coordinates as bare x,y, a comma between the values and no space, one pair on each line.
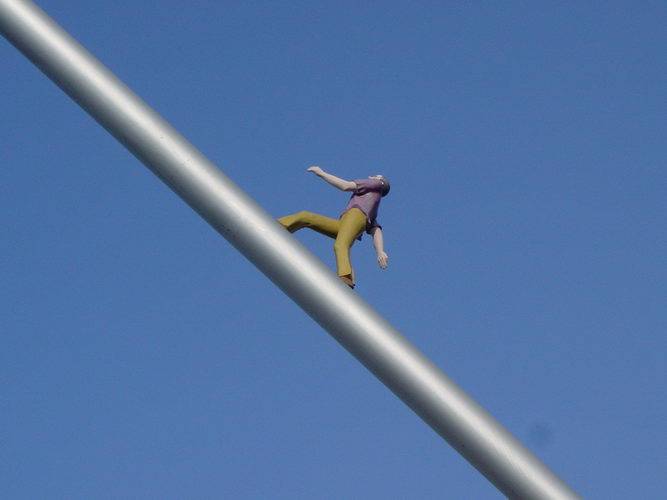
344,230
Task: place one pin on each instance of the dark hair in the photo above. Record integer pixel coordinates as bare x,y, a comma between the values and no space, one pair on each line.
385,186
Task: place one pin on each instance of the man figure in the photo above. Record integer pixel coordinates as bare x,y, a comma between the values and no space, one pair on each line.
359,215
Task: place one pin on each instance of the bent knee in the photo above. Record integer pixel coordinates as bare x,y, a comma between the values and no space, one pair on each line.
341,246
304,214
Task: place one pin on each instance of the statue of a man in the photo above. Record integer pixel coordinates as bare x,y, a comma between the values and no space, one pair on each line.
359,215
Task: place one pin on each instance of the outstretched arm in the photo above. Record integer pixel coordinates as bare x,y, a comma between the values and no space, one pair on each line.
378,243
337,182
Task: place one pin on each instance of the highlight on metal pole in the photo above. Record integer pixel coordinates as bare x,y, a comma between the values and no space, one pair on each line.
473,432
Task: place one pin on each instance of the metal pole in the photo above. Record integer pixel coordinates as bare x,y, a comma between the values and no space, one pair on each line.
512,468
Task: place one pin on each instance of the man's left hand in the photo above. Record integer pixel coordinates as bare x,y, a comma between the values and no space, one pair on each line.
383,260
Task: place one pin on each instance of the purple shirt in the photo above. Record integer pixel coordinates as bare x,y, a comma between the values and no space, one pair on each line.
367,199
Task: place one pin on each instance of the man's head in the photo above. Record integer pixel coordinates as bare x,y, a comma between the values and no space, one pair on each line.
385,183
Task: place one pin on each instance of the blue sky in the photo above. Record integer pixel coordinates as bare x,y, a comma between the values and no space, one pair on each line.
142,357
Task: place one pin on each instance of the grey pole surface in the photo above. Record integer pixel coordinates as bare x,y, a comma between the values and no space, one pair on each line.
473,432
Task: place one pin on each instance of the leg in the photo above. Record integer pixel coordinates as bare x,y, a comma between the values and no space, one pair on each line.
352,223
324,225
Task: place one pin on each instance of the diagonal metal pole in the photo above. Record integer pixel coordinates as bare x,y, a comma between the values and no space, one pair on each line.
473,432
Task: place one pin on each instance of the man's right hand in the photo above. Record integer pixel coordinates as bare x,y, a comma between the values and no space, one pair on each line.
315,170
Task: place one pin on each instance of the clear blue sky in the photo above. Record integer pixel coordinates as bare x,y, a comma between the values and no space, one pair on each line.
141,357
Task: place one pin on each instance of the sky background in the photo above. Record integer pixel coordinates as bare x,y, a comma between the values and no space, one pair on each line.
142,357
